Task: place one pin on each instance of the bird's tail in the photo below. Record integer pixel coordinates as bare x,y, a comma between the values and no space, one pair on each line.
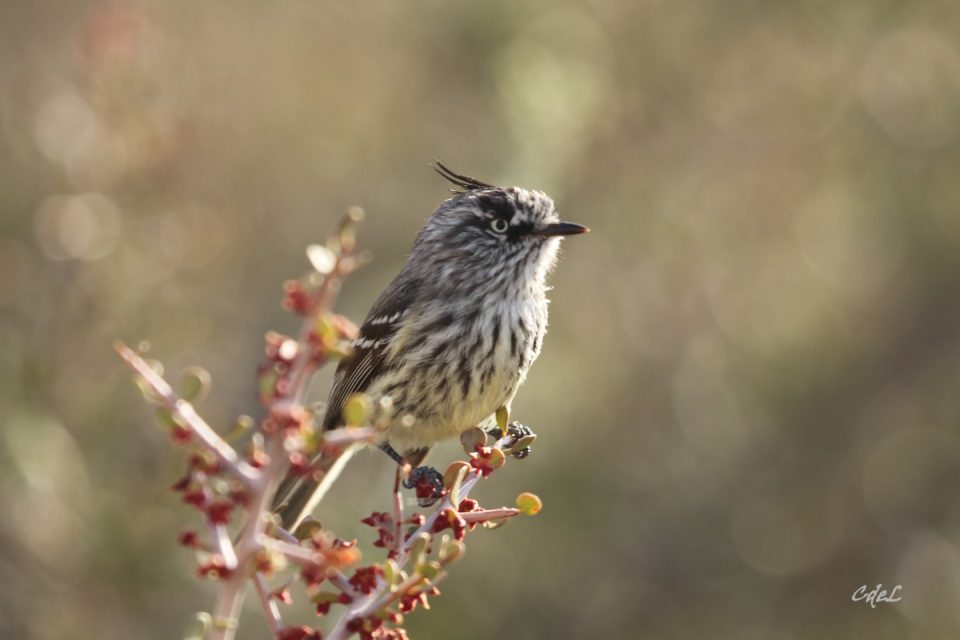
298,496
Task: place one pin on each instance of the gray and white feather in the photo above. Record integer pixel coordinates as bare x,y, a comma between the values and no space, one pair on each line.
451,338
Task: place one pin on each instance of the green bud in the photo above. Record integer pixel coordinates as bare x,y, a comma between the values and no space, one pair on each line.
529,503
195,384
356,409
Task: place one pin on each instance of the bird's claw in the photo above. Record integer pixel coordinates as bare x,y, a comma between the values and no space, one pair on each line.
428,483
518,432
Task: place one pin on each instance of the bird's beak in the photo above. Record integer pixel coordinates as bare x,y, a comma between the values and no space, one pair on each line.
561,229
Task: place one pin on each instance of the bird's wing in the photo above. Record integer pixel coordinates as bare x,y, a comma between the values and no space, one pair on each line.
369,349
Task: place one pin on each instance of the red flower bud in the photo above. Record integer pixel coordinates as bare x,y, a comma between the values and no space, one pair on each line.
364,579
299,633
215,568
219,511
196,497
189,538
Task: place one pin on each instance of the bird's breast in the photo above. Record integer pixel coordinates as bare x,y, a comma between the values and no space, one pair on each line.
459,365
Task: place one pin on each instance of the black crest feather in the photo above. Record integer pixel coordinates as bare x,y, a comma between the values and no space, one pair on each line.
466,183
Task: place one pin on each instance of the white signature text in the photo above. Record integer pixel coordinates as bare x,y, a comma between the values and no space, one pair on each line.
876,595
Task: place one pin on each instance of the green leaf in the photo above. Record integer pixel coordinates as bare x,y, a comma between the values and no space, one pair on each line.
391,572
429,570
452,551
324,596
418,547
195,384
503,420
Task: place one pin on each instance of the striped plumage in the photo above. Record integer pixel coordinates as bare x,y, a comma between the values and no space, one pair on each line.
451,338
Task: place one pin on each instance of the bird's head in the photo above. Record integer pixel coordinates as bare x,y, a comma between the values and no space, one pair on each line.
506,230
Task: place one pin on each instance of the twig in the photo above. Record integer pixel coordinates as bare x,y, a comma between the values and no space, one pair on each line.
296,554
230,597
398,513
270,608
187,415
489,514
340,581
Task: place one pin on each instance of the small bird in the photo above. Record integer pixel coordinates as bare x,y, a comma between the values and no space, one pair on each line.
451,338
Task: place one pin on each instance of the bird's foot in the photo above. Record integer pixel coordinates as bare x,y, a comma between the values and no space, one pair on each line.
428,483
521,435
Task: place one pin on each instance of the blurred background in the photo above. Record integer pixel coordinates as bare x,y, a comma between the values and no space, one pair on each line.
748,399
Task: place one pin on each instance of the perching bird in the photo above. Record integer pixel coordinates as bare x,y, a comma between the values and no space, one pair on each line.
451,338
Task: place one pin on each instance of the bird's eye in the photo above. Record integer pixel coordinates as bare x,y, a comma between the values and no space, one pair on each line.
499,225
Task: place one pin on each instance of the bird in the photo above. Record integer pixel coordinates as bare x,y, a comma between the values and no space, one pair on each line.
450,340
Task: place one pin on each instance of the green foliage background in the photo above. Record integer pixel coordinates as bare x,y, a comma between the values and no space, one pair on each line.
747,401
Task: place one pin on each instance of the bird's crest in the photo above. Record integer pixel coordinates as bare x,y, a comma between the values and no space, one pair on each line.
466,183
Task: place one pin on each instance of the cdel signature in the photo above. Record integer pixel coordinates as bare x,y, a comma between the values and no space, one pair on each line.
876,595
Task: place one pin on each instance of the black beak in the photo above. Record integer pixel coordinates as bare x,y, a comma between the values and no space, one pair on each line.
561,229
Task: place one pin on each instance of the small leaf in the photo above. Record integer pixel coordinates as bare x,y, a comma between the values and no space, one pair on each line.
339,351
324,596
455,487
529,503
452,551
195,384
497,459
322,259
391,572
419,546
472,438
326,329
524,442
199,626
429,570
241,426
356,409
503,419
454,473
307,529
